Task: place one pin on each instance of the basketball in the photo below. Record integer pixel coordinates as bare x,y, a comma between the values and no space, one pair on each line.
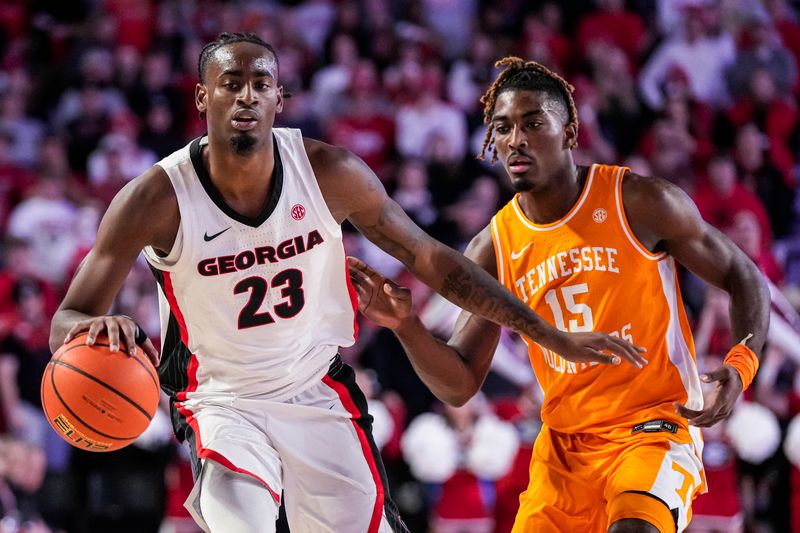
96,399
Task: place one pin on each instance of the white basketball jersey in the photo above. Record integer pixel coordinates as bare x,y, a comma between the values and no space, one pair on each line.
251,306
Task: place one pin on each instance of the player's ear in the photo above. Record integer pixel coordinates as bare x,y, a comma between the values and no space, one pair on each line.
571,135
279,106
200,97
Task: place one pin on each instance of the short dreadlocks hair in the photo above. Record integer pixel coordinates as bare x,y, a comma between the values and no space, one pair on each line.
224,39
529,76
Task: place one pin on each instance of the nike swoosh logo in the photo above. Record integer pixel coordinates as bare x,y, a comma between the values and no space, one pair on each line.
207,237
517,255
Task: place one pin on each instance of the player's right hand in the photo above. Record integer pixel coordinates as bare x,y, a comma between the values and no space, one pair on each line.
592,347
117,327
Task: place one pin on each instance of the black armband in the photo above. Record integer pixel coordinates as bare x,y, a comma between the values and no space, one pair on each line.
140,336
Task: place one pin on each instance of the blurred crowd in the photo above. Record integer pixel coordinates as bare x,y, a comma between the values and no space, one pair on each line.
700,92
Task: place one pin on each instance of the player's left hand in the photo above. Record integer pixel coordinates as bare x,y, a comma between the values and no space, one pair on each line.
379,298
721,401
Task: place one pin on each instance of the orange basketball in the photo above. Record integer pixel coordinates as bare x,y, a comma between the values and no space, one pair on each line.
99,400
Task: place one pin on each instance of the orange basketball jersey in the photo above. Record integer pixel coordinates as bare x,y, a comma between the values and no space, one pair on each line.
588,272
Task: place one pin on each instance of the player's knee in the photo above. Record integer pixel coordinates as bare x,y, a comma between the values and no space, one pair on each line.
632,525
232,502
638,512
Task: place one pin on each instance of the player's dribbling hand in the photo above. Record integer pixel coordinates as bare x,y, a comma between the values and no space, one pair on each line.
591,347
721,401
118,328
379,298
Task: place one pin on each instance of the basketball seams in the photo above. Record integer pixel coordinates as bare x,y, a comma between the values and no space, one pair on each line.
152,374
104,384
79,419
147,367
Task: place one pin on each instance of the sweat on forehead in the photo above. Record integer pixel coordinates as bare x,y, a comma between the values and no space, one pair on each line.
240,56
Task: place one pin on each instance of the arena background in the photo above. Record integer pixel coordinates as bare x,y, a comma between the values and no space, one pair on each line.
700,92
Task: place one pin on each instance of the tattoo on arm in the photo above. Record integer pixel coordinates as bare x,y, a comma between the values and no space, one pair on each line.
389,218
458,285
461,287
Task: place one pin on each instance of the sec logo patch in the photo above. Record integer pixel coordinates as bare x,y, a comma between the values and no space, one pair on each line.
599,215
298,211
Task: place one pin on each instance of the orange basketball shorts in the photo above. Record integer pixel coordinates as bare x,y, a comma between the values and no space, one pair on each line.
584,483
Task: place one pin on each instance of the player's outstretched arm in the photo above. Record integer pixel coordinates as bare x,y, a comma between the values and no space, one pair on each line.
353,192
144,212
454,371
664,218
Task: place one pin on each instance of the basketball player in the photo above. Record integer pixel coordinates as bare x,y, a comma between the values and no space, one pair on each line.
591,248
242,230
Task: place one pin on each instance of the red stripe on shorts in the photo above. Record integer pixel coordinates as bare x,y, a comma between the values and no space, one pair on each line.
221,459
347,401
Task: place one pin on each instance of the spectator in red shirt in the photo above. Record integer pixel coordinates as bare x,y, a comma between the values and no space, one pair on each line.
745,231
543,39
613,24
722,197
135,21
768,107
365,128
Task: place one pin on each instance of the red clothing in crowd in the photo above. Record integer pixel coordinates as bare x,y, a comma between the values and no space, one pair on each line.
462,506
509,487
769,266
13,19
719,508
623,28
371,138
135,22
719,211
778,122
557,44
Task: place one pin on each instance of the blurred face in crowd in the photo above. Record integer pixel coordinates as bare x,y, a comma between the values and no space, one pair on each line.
156,72
749,148
159,118
694,25
533,137
746,233
12,106
92,102
241,96
344,50
762,86
722,175
412,176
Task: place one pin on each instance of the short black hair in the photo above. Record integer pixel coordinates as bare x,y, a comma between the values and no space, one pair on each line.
528,76
224,39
